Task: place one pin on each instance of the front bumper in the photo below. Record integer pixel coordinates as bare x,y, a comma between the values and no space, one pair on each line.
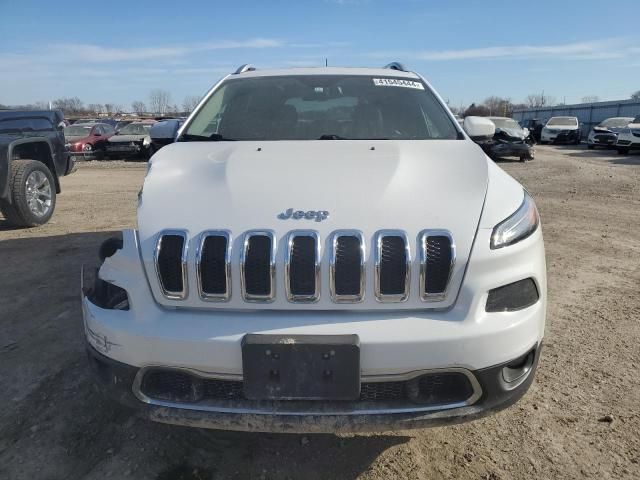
393,343
125,149
117,380
560,137
507,149
602,139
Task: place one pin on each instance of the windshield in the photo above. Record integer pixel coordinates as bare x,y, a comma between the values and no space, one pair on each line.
77,131
565,121
135,129
505,123
616,122
324,107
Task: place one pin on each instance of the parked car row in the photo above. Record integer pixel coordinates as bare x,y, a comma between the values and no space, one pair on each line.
98,140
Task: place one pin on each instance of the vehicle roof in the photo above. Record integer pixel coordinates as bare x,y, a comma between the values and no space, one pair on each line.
617,118
51,114
382,72
563,116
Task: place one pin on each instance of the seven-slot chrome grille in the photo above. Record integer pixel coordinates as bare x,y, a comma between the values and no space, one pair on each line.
303,253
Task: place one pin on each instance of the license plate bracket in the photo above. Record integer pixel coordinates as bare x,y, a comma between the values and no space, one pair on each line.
301,367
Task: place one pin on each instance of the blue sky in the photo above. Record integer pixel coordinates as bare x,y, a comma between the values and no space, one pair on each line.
114,51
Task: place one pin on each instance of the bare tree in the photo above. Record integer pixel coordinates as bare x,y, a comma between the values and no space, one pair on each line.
476,111
95,108
109,108
590,99
69,105
138,107
635,95
190,102
159,101
539,100
499,106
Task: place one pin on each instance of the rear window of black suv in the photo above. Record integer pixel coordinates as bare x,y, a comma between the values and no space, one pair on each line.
322,107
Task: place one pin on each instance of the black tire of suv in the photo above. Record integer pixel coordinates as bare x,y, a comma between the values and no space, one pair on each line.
17,213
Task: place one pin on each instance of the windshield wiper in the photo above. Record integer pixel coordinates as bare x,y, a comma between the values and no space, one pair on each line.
331,137
214,137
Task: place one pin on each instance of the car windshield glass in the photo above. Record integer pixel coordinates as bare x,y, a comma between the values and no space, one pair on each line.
616,122
77,131
135,129
565,121
505,123
321,107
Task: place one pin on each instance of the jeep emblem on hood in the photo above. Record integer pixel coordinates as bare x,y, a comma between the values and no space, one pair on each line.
318,215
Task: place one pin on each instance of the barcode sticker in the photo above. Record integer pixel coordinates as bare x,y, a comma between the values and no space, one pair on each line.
397,82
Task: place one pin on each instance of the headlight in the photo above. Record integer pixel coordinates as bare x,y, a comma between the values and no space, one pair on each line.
147,141
520,225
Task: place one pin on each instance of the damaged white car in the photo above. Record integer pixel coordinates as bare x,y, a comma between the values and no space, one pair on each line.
321,250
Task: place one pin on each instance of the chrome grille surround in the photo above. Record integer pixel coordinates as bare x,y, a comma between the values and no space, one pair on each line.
249,297
337,298
391,298
214,297
422,246
296,298
170,294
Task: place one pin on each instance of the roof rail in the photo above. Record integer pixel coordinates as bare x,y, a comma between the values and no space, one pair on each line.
395,66
247,67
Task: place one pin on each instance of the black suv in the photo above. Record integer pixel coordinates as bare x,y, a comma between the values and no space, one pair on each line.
32,158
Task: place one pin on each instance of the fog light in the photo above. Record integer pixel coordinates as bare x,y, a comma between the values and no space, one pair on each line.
518,369
512,297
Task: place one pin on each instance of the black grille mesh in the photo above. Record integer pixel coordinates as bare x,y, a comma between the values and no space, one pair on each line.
438,266
348,259
302,267
429,389
213,273
170,262
257,267
393,265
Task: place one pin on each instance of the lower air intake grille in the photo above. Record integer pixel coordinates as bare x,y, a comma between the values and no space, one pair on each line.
258,266
438,388
170,264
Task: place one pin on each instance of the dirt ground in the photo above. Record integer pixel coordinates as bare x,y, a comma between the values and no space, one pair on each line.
580,419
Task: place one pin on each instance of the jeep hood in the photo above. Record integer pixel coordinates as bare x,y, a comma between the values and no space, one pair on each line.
364,185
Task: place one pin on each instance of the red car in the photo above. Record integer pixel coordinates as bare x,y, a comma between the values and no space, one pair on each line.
87,140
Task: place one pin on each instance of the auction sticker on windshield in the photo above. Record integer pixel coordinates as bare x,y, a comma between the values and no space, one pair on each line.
397,82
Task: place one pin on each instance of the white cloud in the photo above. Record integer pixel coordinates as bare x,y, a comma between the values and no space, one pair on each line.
591,50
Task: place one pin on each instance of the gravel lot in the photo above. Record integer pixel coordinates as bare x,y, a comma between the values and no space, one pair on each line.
581,418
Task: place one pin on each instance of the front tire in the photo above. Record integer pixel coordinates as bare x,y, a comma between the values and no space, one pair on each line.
33,194
622,150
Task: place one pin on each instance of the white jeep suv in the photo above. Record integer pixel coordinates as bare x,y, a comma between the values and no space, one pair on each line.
321,250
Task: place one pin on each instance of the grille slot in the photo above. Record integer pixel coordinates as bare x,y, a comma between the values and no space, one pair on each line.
437,252
347,278
170,259
212,266
302,270
392,266
258,266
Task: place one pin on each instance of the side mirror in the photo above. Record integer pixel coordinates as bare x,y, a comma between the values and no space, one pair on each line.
164,132
479,127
